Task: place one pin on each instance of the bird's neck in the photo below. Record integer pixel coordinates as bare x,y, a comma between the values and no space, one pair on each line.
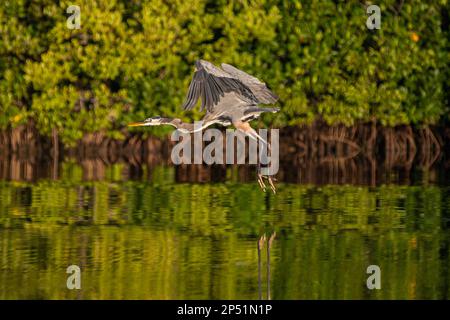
177,123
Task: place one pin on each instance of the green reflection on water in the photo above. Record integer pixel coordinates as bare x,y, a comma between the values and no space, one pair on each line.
162,240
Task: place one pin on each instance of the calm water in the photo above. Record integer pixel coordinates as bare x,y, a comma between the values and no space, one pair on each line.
156,238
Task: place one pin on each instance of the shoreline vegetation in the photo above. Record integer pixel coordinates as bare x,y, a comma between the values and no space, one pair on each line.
134,59
361,154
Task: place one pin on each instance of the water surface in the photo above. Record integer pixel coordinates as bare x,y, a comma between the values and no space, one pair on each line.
155,237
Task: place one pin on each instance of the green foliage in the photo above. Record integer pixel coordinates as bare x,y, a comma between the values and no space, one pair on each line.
132,59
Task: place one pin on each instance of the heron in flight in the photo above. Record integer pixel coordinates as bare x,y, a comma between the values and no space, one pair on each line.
230,97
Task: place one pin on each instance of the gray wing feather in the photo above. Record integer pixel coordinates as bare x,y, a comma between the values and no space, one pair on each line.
211,84
258,88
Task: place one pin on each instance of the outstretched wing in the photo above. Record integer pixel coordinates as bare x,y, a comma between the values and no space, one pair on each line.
211,84
258,88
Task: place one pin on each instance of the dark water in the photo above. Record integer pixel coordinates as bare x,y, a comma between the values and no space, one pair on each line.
156,237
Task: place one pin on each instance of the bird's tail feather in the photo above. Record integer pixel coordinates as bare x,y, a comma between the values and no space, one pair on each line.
256,109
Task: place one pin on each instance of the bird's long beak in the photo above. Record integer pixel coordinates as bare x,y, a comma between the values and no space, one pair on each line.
137,124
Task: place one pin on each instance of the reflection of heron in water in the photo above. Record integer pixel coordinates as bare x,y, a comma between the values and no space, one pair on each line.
230,97
261,242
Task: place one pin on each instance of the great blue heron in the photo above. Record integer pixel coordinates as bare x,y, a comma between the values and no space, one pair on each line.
230,97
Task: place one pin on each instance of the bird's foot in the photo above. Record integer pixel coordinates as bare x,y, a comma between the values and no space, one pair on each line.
262,184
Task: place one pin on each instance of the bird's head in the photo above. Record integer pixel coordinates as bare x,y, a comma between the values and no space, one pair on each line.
153,121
